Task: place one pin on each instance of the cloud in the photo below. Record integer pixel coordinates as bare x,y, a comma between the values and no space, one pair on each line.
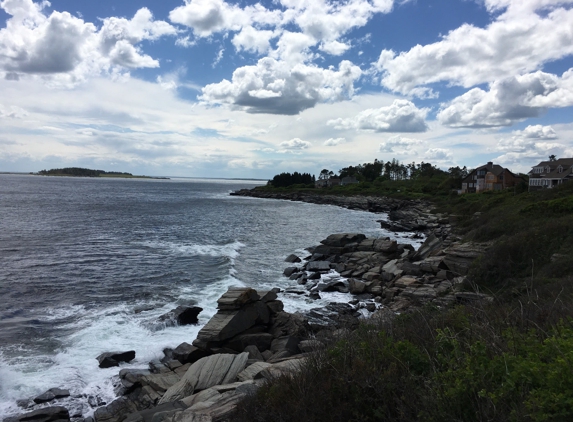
529,146
529,34
439,155
301,28
399,144
66,49
253,40
401,116
509,101
295,144
332,142
207,17
275,87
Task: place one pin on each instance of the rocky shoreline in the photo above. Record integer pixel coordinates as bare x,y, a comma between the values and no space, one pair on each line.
251,339
403,215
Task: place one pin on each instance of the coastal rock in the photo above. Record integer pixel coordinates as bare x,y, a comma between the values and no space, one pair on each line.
186,353
51,394
110,359
318,266
236,297
227,324
292,258
46,414
460,256
342,239
205,373
430,246
251,371
182,315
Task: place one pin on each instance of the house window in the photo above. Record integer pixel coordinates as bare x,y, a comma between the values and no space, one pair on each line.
559,169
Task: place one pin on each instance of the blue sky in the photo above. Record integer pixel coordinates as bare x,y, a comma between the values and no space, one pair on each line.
214,88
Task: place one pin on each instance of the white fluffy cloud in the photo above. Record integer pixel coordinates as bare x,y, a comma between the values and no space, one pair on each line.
439,155
332,142
401,116
529,34
399,144
509,101
273,86
295,144
534,143
68,49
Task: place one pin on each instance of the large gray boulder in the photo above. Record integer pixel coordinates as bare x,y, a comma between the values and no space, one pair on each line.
227,324
205,373
237,297
430,246
459,257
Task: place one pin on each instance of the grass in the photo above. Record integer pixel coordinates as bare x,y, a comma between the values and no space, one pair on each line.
507,361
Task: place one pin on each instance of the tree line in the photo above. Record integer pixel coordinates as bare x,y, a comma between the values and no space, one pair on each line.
376,171
78,172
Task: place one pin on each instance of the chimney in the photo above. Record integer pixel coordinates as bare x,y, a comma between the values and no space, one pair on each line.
489,164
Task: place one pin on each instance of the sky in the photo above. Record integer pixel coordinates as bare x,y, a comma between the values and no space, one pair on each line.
245,89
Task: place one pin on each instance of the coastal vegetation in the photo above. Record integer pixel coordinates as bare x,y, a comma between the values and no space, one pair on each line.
391,178
83,172
509,360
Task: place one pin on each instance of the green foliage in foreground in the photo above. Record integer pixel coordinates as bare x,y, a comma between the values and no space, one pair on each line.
508,361
505,362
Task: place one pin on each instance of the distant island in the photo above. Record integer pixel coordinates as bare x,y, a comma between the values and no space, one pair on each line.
81,172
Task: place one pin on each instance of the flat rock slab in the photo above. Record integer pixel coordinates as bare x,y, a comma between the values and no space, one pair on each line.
318,266
205,373
52,394
237,297
110,359
251,371
227,324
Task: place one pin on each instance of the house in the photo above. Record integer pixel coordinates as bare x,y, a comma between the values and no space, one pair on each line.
349,180
327,183
548,174
489,177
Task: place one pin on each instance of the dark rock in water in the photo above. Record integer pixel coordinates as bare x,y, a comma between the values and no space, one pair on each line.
342,239
292,258
182,315
290,271
109,359
52,394
186,353
314,296
318,266
332,286
313,276
46,414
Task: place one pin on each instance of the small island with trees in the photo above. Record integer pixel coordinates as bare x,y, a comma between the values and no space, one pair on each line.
82,172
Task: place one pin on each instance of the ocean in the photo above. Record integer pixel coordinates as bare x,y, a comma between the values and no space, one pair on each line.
87,265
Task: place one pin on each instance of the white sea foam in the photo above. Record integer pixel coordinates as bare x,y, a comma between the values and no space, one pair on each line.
230,250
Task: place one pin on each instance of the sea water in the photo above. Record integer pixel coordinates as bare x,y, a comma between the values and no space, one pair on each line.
87,265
